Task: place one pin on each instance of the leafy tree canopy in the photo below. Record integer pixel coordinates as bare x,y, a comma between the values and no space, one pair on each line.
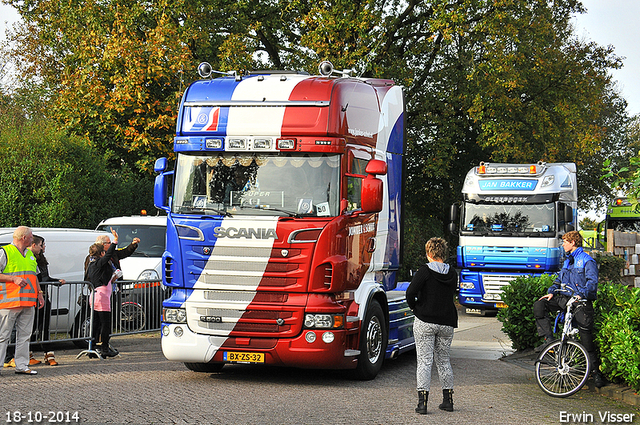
50,179
486,80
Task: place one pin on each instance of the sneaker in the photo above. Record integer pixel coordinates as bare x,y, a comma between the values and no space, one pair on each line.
33,361
50,359
109,353
10,363
547,341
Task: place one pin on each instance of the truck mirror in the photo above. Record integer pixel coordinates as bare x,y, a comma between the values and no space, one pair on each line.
376,167
161,184
453,228
568,214
453,213
160,165
371,194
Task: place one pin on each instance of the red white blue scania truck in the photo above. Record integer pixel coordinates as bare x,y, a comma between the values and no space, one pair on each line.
284,223
510,224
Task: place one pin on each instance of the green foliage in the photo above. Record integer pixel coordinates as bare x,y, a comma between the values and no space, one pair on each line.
588,224
49,179
618,332
482,82
517,318
417,231
609,267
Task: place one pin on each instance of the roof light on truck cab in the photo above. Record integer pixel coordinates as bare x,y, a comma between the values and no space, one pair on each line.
286,144
213,143
237,144
262,144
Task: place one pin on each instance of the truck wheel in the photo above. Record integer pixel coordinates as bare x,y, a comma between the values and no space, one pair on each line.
205,367
373,343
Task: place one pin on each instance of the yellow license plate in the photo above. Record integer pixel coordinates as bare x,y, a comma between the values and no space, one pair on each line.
501,305
237,357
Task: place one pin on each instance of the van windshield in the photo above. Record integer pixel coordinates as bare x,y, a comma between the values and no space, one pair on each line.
152,238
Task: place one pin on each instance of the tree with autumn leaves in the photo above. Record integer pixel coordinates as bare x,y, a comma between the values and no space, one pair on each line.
485,80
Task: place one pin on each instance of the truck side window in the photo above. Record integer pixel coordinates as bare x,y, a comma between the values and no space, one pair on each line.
354,182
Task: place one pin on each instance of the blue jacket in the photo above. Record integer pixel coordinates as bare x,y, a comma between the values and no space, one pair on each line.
580,273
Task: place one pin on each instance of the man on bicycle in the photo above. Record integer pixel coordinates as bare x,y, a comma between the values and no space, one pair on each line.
579,275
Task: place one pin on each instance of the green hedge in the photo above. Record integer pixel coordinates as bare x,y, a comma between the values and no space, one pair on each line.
617,324
51,179
618,333
517,319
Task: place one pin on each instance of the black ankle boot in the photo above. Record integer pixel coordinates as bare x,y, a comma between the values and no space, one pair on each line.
447,400
423,396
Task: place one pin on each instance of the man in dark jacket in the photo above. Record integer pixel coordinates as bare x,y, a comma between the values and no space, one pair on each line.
579,276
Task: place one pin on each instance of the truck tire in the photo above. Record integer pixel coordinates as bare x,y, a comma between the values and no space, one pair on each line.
205,367
373,343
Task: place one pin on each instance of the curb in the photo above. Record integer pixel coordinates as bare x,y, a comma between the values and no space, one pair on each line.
617,392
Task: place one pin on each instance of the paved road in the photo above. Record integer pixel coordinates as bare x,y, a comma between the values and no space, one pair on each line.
141,387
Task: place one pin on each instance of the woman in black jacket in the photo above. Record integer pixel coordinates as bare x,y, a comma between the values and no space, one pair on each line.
431,297
101,273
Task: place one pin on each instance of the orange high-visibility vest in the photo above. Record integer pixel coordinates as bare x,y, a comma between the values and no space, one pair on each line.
12,295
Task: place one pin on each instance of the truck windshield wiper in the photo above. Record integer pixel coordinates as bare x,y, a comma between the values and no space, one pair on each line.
260,207
191,210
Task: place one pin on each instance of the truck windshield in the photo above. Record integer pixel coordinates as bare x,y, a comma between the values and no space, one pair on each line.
501,219
267,184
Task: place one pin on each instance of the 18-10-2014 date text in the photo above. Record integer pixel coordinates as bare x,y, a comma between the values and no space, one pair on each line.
42,417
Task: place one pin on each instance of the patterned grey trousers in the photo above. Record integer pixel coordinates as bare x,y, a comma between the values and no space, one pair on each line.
433,342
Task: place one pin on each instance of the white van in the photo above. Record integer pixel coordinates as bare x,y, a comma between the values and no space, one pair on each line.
146,262
142,290
66,250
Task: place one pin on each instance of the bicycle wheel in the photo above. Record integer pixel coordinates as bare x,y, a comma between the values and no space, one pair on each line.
561,370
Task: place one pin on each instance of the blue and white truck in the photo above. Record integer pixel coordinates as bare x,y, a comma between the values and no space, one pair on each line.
510,223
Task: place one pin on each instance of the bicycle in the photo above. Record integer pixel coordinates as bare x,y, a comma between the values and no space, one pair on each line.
563,366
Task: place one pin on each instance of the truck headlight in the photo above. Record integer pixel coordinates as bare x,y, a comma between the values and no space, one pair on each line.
323,321
149,274
467,285
175,315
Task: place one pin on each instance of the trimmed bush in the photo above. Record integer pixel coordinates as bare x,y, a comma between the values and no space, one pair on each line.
618,333
517,319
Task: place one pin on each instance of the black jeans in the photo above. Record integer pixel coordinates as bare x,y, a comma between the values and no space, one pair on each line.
102,328
583,317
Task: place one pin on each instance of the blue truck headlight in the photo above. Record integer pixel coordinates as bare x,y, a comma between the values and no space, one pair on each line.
175,315
467,285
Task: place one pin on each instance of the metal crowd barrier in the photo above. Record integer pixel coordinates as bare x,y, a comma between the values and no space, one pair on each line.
136,307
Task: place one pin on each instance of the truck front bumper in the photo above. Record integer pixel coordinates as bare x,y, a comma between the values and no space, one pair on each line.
180,344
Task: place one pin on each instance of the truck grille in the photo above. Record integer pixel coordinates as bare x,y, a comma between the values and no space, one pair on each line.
493,284
226,300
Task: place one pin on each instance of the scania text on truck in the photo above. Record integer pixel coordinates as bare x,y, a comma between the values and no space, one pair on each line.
510,224
284,222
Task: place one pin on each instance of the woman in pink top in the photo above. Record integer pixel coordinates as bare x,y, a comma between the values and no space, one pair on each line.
102,274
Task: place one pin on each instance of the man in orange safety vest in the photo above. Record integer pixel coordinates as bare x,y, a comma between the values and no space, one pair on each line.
19,294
